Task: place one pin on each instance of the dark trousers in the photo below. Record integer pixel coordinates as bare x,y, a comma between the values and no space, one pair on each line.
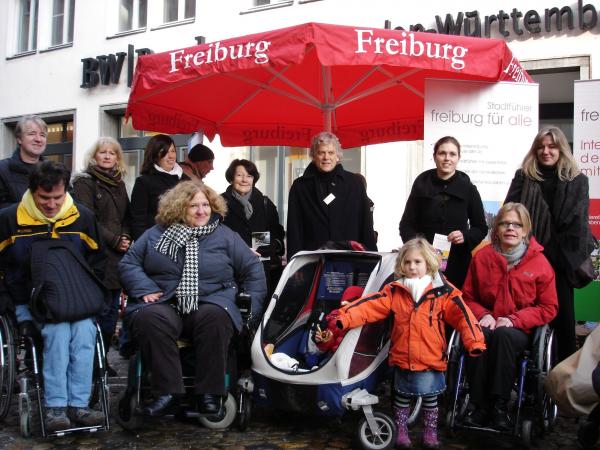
156,329
492,375
564,323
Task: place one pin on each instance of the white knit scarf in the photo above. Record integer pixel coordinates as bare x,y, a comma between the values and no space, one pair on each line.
173,238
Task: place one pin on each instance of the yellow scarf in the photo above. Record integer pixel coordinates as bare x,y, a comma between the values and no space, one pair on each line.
31,208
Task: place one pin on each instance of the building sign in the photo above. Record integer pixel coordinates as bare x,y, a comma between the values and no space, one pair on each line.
106,69
513,23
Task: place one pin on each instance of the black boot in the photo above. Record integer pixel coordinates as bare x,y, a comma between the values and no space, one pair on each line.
500,418
163,405
208,403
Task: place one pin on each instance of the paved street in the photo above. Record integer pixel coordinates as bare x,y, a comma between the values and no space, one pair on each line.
267,430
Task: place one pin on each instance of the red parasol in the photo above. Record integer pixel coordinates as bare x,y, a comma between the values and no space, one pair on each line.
281,87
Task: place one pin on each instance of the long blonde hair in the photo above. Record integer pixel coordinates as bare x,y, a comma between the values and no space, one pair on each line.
425,249
566,167
90,158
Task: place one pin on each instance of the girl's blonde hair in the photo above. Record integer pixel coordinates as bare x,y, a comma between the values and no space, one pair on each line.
420,245
566,167
90,158
173,204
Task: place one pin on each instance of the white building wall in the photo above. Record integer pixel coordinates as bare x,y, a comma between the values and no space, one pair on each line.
49,81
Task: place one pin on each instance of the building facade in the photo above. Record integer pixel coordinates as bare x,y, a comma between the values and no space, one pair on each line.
72,62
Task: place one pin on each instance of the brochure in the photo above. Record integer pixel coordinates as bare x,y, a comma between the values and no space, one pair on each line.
261,239
442,246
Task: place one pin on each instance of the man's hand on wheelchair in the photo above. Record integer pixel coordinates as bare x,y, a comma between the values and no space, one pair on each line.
28,329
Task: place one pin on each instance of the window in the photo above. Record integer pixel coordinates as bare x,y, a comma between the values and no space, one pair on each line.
178,10
63,14
132,14
27,37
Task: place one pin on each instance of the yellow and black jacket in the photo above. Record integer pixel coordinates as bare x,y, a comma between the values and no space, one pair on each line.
18,232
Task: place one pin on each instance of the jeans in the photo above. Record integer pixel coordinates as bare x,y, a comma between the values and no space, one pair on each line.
69,349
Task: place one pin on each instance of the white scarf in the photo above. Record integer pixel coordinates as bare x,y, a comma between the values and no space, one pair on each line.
416,286
176,170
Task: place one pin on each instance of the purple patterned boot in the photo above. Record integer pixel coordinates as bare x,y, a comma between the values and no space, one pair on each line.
430,422
401,419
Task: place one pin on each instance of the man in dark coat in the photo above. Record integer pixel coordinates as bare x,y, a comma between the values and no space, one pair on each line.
327,203
199,163
47,213
31,133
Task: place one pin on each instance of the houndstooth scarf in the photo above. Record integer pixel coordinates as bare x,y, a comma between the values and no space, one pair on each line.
173,238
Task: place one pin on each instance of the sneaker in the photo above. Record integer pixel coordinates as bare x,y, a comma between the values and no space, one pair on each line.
56,419
86,417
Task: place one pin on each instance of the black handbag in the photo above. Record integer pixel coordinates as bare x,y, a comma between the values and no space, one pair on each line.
586,272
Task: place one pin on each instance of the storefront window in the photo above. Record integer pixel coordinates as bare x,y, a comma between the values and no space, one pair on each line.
60,132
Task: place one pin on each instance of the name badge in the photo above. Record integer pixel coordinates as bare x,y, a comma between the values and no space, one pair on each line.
329,199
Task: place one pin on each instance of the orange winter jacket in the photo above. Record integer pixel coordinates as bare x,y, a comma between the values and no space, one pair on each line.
418,334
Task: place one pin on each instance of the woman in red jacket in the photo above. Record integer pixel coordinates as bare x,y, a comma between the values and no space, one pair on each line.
510,289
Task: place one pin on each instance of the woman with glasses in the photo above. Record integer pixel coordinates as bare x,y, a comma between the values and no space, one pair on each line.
510,289
254,217
556,193
444,201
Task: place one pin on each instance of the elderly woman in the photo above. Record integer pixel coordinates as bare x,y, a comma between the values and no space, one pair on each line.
182,276
249,212
444,201
160,172
510,289
100,187
556,193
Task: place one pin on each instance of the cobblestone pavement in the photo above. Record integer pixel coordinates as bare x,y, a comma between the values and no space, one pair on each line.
267,430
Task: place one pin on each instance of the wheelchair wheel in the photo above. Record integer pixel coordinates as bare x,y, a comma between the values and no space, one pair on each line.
244,411
224,419
7,366
127,416
527,433
546,358
382,438
25,415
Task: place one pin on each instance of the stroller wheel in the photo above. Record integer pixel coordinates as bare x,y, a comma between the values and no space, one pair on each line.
415,410
244,411
224,419
379,439
588,434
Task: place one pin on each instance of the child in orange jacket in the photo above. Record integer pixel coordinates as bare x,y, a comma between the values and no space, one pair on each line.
421,301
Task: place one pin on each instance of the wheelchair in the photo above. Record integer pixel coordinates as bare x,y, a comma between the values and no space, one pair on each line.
235,406
30,380
7,364
533,411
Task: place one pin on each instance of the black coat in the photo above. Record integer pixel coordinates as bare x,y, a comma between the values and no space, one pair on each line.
110,205
311,222
14,179
570,240
264,218
442,206
144,199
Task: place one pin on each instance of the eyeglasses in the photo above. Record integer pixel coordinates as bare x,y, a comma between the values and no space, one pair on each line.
515,225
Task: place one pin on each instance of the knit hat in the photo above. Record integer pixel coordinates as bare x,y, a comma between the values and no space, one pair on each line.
200,152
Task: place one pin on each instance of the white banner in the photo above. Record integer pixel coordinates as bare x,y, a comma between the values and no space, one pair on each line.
495,124
586,142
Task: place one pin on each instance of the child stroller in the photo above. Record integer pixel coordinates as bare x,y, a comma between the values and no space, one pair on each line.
288,370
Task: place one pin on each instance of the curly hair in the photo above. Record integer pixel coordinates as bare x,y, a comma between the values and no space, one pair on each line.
173,204
421,245
566,167
90,158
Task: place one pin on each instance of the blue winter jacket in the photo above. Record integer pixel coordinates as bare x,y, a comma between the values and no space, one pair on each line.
225,264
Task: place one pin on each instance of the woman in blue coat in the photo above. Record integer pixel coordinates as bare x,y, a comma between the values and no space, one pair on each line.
182,276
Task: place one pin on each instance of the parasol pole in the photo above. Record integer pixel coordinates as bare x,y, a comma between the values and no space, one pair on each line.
327,100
